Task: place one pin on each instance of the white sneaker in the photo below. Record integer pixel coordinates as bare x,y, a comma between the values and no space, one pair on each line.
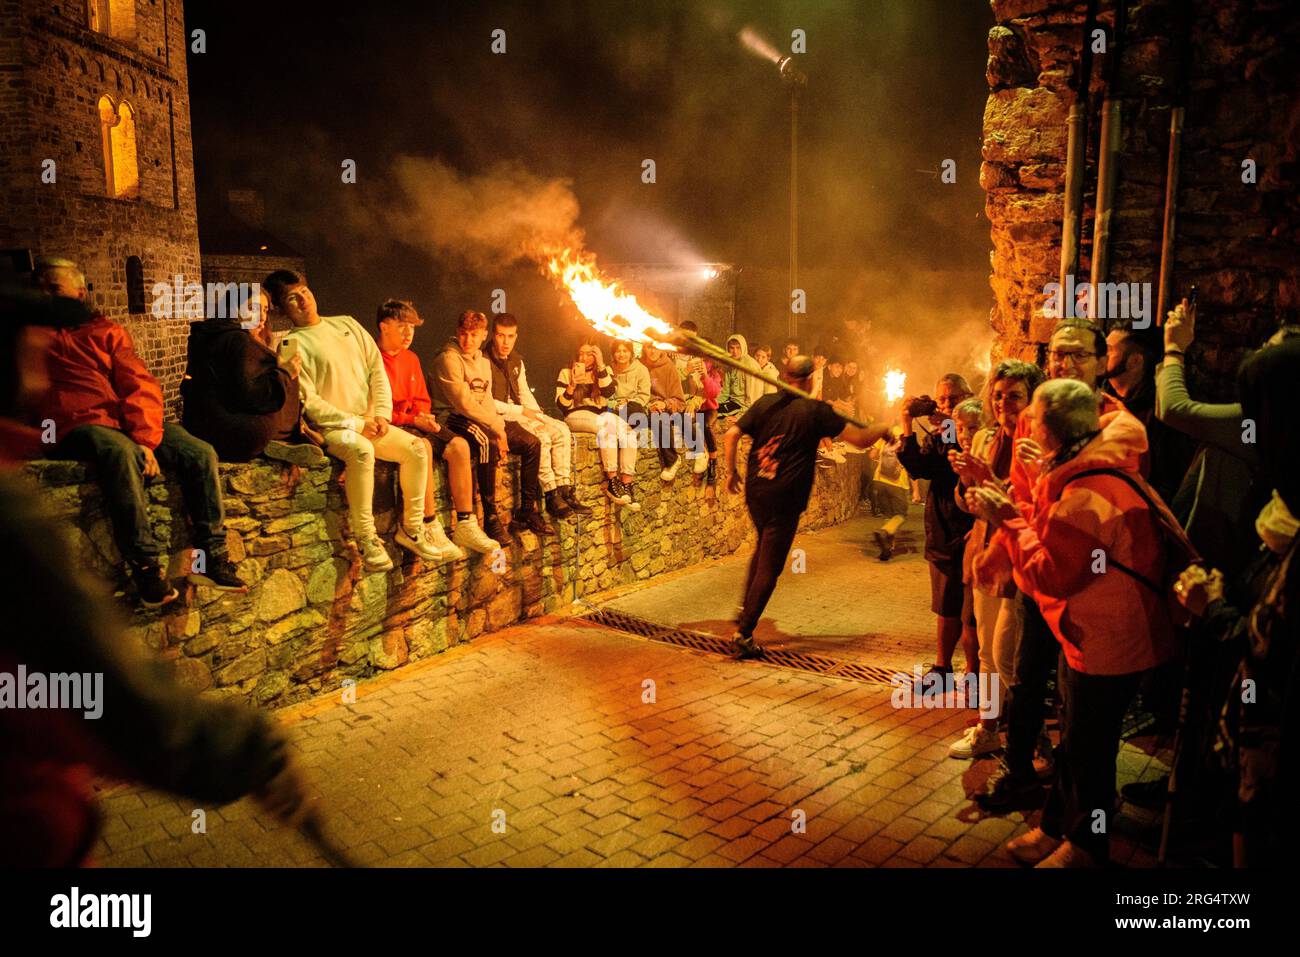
448,551
417,545
976,742
670,473
1033,847
701,464
469,535
374,557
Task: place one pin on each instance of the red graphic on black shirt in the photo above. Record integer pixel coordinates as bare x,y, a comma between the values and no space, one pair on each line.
768,463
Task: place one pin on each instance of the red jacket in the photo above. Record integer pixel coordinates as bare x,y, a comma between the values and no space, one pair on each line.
97,379
410,391
1107,622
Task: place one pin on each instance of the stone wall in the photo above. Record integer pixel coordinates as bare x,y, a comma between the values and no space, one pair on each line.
1239,242
312,616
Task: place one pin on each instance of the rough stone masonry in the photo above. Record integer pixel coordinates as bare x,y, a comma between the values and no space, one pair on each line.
1239,242
313,618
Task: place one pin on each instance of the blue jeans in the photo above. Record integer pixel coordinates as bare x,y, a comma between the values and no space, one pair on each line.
119,467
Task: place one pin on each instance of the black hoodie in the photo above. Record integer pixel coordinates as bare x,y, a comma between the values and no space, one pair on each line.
236,395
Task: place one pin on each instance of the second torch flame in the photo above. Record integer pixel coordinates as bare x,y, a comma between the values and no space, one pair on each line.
895,384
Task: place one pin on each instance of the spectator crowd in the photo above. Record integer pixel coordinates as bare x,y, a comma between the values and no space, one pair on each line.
1093,535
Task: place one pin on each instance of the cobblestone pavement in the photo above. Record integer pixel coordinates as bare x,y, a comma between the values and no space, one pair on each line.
545,745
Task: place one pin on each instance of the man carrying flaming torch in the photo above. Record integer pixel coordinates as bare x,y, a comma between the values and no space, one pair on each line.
785,429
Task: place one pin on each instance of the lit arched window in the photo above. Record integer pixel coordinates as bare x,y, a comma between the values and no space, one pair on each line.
134,285
121,171
114,17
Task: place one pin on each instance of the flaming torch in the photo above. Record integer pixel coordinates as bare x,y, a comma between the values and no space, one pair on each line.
895,385
614,312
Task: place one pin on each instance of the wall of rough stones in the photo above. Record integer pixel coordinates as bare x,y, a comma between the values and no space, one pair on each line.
1238,242
313,618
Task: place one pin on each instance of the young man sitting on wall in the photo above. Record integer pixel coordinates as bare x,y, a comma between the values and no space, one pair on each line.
396,322
346,397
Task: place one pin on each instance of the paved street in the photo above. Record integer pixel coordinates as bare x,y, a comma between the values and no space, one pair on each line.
560,743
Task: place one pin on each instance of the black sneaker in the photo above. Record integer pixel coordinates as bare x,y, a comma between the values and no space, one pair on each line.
617,492
530,520
221,575
571,499
745,647
1008,791
1147,794
557,506
153,587
885,542
493,528
629,489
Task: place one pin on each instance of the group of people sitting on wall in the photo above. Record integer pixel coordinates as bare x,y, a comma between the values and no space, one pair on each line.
329,387
1089,520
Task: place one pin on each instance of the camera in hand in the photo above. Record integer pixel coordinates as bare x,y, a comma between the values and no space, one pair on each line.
922,406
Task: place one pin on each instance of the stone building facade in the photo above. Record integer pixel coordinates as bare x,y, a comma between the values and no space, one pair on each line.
1238,240
96,155
236,246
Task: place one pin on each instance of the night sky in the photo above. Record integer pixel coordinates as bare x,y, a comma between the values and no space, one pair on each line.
586,90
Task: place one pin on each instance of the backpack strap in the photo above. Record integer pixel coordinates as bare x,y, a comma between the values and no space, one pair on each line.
1163,516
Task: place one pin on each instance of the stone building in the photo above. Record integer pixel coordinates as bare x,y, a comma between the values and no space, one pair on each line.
236,247
96,156
1238,209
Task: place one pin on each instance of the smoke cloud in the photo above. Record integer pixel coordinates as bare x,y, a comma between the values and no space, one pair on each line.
484,222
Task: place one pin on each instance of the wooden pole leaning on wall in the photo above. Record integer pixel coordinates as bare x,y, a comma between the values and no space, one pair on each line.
1170,226
1076,155
1177,114
1108,153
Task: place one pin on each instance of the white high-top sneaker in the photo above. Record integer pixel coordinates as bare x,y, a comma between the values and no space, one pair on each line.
374,557
701,463
447,549
469,535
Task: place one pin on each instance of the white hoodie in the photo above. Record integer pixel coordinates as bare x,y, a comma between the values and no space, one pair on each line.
342,378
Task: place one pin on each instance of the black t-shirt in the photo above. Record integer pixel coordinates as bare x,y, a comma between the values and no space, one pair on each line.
785,430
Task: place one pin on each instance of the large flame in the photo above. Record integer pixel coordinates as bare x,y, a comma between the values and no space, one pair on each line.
895,384
602,303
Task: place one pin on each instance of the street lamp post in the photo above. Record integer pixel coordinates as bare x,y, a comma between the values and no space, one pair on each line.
794,78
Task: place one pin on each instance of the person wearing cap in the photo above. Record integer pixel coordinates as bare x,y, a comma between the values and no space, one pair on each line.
784,430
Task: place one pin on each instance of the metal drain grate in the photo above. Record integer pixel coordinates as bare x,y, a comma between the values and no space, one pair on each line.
700,641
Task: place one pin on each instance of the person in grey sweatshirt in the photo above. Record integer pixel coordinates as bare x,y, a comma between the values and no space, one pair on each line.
461,389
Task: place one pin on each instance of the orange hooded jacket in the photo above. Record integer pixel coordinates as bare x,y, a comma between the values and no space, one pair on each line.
96,378
1062,551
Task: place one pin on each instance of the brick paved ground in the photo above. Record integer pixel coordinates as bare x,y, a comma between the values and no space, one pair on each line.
543,728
